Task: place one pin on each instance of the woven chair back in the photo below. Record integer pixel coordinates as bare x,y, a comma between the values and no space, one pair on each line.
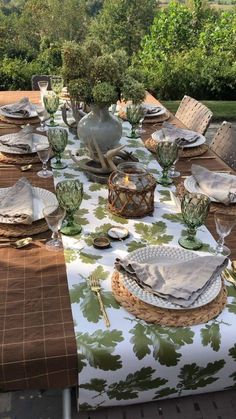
37,77
224,144
194,114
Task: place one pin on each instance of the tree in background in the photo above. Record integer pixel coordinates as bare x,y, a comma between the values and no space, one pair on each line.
123,23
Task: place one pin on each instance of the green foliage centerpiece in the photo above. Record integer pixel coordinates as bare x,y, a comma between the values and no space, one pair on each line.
98,79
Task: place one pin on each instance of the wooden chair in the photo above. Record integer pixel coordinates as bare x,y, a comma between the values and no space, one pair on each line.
194,114
224,144
37,77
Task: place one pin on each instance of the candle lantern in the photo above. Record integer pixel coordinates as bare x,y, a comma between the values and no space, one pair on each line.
131,191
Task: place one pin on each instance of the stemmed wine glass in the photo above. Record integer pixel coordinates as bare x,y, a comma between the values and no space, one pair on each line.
43,116
140,129
44,151
70,194
166,155
51,103
58,139
224,224
195,208
54,217
133,114
56,84
43,85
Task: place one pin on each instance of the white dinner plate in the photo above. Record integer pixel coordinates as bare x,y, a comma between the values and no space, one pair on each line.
158,136
37,139
166,254
191,185
32,114
41,199
159,112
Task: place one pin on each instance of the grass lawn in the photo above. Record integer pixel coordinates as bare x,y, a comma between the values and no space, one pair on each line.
222,110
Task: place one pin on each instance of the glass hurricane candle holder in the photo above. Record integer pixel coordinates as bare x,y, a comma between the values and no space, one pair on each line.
131,191
195,208
70,194
58,139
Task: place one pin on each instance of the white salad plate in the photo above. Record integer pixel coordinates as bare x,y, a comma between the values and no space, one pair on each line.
37,139
166,254
191,185
160,110
158,136
41,199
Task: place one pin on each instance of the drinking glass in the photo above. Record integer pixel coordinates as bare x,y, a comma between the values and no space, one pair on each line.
224,225
58,139
195,208
54,216
140,129
57,84
166,155
43,116
133,114
44,151
43,85
51,103
70,194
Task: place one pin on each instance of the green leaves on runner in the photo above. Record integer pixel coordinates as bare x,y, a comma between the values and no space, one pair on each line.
210,335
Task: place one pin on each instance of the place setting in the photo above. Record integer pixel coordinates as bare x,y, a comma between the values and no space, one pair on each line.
19,113
192,143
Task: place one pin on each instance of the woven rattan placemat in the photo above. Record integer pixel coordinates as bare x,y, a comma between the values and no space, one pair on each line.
215,206
167,317
19,158
21,230
18,121
151,144
153,120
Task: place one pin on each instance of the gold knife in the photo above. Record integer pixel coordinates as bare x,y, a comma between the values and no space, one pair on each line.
228,277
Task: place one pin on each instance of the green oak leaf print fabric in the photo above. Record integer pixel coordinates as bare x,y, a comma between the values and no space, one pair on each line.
132,361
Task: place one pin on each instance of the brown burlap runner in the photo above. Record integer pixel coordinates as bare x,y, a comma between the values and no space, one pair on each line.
19,158
20,121
215,206
167,317
151,144
21,230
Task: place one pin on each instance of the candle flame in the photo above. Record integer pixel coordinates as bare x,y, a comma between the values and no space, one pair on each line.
126,179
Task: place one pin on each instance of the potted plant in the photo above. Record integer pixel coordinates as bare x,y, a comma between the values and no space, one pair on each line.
98,80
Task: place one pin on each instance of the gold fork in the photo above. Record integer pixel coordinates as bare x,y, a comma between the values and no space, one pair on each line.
96,287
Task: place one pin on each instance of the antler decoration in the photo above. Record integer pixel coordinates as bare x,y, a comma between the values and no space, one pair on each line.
100,163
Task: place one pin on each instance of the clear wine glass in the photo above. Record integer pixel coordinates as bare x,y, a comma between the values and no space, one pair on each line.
44,151
56,84
43,85
224,224
70,194
51,103
54,216
140,129
58,139
43,116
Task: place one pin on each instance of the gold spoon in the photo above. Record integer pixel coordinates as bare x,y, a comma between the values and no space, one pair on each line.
26,167
17,244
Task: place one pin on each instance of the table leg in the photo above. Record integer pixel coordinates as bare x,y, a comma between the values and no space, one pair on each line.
66,403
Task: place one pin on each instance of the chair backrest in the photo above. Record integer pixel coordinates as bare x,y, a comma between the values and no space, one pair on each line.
224,144
194,114
40,77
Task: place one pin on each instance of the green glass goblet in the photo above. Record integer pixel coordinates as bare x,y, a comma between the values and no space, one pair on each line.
195,208
70,194
58,139
51,103
56,84
133,114
166,155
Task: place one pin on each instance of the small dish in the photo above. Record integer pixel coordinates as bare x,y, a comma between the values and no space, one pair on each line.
118,233
101,242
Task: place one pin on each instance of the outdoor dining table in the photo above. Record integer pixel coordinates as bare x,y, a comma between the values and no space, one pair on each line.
45,329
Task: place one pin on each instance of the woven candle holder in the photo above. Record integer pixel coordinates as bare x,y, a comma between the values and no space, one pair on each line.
131,191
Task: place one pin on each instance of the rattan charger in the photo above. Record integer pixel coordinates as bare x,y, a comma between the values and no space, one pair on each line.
151,145
19,158
167,317
23,230
20,121
215,206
